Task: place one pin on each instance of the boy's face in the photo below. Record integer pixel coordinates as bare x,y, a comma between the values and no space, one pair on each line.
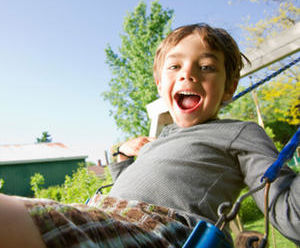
192,81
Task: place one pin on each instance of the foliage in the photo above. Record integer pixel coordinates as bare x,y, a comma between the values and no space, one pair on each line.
132,86
270,133
249,210
287,15
36,181
45,138
76,188
108,180
279,99
275,103
80,186
52,192
282,131
296,169
242,109
89,163
1,183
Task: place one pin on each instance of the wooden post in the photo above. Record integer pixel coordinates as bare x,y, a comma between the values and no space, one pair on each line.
258,112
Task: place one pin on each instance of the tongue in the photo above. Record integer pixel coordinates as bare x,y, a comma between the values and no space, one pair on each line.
188,102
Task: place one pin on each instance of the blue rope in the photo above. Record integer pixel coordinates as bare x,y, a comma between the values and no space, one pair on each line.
269,77
207,235
286,154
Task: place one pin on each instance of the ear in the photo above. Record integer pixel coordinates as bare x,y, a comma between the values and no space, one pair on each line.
158,85
229,92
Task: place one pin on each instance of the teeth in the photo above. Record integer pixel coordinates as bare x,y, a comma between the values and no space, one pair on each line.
188,93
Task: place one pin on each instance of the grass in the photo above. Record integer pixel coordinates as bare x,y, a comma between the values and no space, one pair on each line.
276,240
280,241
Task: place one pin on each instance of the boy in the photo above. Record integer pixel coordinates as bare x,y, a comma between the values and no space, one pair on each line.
196,164
201,161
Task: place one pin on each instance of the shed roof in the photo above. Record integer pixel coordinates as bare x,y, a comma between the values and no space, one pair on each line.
40,152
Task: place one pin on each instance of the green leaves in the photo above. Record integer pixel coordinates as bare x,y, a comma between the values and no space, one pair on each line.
279,99
286,16
36,181
1,183
76,189
132,85
45,138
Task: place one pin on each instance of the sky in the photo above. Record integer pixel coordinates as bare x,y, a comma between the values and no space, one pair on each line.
53,70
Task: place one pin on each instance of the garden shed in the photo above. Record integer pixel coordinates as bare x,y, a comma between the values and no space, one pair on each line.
19,162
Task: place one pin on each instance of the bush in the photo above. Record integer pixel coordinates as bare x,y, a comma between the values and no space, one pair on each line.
1,183
249,210
36,181
296,168
52,192
76,189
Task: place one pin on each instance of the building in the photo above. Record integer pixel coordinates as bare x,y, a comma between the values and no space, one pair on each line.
19,162
98,169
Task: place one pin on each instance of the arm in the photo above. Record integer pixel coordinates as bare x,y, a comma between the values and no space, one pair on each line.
17,229
256,154
128,151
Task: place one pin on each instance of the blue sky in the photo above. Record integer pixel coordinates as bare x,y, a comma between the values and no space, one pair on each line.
52,63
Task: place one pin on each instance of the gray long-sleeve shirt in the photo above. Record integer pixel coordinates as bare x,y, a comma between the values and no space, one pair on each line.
195,169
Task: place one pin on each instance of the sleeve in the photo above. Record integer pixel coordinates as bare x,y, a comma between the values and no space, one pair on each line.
117,168
255,152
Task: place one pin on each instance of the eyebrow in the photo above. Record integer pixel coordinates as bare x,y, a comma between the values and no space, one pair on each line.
202,56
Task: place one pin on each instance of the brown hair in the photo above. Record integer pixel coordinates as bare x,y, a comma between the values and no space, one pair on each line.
217,39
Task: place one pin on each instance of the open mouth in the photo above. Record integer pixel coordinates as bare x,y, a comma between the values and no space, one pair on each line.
187,100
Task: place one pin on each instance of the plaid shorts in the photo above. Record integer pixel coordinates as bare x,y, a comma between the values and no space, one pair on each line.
107,222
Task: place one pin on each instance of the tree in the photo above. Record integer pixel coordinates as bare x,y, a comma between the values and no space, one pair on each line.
242,109
132,85
45,138
287,15
281,100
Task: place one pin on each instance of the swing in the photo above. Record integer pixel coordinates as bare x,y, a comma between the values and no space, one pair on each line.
207,235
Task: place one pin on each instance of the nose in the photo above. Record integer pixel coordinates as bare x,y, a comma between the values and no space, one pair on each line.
188,73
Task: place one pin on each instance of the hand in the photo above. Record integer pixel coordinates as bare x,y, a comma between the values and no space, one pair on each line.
133,146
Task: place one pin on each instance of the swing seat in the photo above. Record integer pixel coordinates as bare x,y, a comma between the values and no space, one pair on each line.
207,235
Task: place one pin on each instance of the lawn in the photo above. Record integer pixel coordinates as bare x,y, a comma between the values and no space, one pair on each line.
250,210
280,241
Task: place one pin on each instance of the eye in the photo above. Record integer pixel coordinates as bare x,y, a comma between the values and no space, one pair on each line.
173,67
207,68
